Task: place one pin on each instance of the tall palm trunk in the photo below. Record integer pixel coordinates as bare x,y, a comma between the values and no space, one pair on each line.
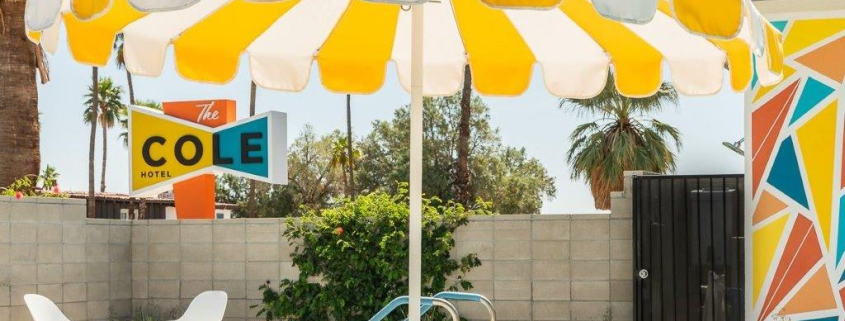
92,141
462,183
19,128
131,87
105,155
349,147
252,92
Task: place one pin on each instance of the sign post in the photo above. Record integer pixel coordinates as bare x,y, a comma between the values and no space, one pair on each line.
183,147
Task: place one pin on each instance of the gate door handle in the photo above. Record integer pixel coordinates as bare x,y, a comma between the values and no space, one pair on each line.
643,274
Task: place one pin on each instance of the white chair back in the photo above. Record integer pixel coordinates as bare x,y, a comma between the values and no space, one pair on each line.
42,309
207,306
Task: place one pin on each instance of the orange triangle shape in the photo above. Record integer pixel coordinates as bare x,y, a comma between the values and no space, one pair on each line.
766,123
827,60
767,206
816,295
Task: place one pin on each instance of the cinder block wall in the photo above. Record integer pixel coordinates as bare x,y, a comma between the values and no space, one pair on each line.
47,246
535,267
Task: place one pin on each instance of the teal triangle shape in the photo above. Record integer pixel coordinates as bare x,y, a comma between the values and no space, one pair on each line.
785,175
814,92
840,242
824,319
754,73
780,25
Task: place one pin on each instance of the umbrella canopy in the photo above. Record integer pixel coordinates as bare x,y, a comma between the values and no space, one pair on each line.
575,43
352,42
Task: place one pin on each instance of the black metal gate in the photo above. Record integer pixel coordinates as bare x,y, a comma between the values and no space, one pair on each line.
688,250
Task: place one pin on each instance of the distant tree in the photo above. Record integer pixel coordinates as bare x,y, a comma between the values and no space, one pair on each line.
385,161
343,162
104,107
312,181
623,137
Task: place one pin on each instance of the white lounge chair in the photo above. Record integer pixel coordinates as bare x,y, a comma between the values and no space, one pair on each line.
42,309
207,306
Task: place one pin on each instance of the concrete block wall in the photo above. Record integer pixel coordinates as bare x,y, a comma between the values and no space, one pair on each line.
534,267
47,246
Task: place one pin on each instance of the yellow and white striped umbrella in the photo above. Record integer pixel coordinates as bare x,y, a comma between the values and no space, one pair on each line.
352,42
574,42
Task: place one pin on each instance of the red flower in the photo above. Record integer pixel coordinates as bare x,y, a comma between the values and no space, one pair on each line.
56,189
18,195
338,231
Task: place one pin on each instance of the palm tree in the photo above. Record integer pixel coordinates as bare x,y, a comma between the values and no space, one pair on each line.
462,179
108,96
20,60
124,118
49,178
92,140
253,91
340,158
121,64
623,138
349,152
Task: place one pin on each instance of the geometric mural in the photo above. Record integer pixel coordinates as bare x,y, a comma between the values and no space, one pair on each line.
797,205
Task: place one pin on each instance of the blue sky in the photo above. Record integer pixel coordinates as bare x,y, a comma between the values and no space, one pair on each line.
532,121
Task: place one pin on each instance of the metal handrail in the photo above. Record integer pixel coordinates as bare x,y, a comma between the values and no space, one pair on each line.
426,302
463,296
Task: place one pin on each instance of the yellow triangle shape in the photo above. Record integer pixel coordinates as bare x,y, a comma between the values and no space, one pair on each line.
818,145
145,126
805,33
787,72
765,244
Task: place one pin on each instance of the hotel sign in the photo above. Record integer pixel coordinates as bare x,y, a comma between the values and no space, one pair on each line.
167,150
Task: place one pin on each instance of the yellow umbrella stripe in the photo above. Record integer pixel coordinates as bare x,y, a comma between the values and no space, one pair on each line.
737,51
637,63
501,61
210,50
712,18
774,41
354,58
522,3
87,9
91,41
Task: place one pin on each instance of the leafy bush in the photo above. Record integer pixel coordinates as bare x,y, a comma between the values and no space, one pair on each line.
27,186
353,259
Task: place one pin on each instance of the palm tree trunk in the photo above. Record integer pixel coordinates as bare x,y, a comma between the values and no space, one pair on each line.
19,128
462,172
131,87
105,157
252,92
92,141
349,146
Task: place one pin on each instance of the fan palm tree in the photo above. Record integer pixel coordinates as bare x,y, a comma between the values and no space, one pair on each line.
462,177
20,61
108,96
124,118
121,64
253,91
623,138
341,159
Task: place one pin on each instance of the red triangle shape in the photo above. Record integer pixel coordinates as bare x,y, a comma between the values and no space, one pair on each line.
801,253
766,123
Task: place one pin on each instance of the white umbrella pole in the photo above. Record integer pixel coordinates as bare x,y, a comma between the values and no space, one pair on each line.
415,222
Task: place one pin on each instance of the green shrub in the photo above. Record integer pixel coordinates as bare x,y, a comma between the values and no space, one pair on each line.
353,259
